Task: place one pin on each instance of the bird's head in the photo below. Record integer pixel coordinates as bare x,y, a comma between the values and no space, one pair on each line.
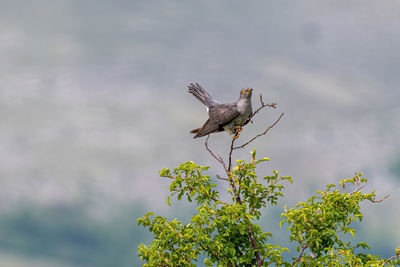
246,93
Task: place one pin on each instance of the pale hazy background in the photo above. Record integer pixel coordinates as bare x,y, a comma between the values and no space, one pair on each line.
93,104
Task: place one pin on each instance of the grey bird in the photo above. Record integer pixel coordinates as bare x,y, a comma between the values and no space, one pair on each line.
223,117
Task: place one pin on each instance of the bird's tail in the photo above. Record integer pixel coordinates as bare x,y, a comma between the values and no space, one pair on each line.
198,92
195,131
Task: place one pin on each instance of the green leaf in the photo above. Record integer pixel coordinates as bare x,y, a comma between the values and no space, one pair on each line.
261,160
253,153
232,251
165,172
329,186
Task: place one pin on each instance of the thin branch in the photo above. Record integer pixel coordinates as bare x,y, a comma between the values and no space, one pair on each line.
301,254
379,200
389,259
261,134
219,159
253,242
229,174
230,155
221,178
358,189
361,187
263,105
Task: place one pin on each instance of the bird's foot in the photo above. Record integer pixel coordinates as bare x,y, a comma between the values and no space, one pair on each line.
237,132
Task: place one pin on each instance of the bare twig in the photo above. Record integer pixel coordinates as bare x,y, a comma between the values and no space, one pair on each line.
263,105
361,187
261,134
358,189
219,159
221,178
230,155
379,200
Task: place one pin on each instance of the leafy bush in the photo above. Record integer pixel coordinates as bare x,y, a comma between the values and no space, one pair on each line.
226,233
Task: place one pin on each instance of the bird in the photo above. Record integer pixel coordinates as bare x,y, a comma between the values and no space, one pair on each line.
229,117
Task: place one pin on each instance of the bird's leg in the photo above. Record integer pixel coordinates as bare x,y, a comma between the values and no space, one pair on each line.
247,121
237,131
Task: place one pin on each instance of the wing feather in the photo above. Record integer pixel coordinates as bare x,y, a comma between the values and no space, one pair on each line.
223,113
219,115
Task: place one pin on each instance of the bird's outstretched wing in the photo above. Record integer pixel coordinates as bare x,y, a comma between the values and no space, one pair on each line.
219,115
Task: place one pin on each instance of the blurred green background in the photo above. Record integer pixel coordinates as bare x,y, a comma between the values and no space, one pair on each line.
93,104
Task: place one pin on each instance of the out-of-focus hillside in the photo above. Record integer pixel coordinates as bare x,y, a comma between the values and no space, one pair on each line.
93,104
